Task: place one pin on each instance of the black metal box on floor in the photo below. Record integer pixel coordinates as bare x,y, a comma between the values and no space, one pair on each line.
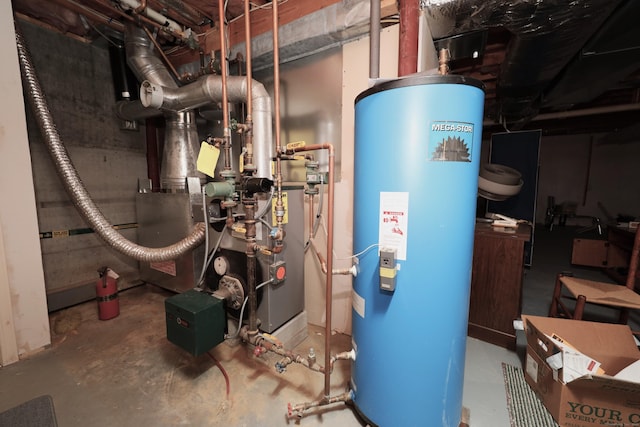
195,321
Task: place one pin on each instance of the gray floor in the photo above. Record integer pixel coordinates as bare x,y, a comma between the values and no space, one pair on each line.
124,373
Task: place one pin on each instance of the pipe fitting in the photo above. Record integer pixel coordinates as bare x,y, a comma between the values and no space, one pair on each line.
353,270
277,234
299,410
219,189
151,95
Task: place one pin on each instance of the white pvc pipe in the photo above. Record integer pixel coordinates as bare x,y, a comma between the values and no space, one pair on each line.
153,15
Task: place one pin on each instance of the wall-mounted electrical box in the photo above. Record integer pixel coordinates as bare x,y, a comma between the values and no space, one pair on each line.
388,269
195,321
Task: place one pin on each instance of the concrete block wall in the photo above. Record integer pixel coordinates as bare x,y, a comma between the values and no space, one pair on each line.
76,79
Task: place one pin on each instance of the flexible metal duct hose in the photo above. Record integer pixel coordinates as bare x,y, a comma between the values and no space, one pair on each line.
74,186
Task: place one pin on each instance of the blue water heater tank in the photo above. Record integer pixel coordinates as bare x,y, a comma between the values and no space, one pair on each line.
417,149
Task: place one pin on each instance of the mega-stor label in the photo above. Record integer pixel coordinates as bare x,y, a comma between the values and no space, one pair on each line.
450,141
451,127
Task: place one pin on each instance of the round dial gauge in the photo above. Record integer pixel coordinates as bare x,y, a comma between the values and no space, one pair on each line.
221,265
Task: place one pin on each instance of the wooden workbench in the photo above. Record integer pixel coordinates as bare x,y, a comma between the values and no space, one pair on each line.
496,283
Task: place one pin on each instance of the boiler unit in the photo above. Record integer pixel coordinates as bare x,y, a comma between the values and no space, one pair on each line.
417,149
279,302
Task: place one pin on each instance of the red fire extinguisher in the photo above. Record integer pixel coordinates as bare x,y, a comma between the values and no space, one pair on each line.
107,294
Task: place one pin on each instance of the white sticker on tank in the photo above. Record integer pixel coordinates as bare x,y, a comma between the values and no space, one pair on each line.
357,302
394,222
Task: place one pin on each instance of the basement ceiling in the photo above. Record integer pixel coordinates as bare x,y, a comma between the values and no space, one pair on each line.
564,67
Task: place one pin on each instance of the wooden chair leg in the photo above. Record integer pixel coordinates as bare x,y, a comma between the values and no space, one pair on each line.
555,301
579,309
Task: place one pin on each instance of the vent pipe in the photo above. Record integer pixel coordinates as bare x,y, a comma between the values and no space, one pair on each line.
161,92
374,40
409,28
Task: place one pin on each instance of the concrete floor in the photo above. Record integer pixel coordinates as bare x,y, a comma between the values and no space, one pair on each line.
123,372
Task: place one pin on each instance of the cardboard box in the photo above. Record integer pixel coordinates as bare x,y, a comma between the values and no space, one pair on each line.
591,400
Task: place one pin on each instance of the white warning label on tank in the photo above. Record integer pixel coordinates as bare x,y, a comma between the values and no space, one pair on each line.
394,222
357,302
450,141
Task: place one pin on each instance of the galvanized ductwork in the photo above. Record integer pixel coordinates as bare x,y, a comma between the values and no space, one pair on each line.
74,186
161,93
181,136
547,34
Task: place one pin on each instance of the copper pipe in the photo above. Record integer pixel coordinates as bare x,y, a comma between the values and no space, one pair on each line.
178,34
443,61
408,47
310,217
91,14
263,345
161,53
276,74
280,211
248,164
329,277
143,5
299,409
225,98
321,260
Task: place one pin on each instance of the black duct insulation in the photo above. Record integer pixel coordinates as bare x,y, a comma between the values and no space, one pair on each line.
547,34
125,85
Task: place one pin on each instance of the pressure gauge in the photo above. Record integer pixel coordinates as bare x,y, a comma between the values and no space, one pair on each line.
221,265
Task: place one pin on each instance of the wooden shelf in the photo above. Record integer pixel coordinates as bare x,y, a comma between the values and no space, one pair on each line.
496,283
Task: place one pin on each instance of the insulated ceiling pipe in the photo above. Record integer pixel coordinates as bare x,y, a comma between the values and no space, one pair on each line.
172,26
74,186
226,135
248,163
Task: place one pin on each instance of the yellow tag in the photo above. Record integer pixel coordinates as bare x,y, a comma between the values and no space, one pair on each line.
298,157
208,159
294,145
285,218
389,273
62,233
241,163
273,168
